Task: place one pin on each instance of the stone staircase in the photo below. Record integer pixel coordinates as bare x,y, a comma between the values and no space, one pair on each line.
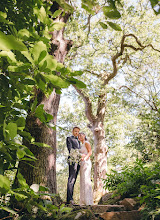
114,212
125,211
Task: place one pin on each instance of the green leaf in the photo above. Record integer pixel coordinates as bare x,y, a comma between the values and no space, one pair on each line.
4,184
64,209
20,68
56,26
41,144
41,84
77,73
156,6
64,71
9,54
28,56
42,56
3,17
43,66
65,6
11,130
43,188
88,9
5,208
26,135
39,113
42,14
29,153
21,123
59,67
57,13
37,49
103,25
154,2
114,26
58,91
20,153
50,65
48,117
22,181
23,34
19,196
3,14
34,104
79,84
9,42
56,81
1,106
111,12
28,81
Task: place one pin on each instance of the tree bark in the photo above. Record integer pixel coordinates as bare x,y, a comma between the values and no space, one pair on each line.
100,157
100,148
43,170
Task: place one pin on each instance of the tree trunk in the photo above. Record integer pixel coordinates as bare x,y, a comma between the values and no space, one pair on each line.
100,157
100,148
43,170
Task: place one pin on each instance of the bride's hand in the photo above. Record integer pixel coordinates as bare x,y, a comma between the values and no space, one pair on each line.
83,157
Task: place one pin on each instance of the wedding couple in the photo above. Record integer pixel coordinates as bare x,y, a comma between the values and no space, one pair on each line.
79,141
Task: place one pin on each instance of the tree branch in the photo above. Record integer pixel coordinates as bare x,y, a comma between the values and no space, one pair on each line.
88,105
94,73
153,107
118,54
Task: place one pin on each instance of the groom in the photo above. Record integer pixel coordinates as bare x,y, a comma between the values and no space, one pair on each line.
72,142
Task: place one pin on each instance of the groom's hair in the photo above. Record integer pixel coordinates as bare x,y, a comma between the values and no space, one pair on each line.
76,127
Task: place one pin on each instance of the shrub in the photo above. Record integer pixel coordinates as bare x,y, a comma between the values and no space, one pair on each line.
141,181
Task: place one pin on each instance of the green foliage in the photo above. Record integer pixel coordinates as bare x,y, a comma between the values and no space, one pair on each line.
26,66
32,202
156,6
111,12
114,26
141,181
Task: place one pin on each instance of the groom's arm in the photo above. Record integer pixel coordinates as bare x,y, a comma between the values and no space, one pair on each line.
69,143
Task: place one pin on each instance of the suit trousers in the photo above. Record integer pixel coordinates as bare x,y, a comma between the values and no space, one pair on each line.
73,172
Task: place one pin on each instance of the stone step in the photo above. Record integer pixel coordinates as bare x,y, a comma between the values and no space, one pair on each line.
121,215
106,208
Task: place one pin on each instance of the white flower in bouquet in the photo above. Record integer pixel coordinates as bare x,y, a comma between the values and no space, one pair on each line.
74,156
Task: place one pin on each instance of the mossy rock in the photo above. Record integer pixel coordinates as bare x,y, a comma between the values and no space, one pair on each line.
81,214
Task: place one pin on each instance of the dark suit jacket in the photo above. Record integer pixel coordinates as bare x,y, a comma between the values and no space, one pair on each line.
72,142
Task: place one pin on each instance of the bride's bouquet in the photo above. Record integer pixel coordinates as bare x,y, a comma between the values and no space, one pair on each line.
74,156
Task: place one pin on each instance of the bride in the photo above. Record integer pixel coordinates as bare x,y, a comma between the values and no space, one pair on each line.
86,194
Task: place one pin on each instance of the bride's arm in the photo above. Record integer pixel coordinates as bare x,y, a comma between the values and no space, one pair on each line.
89,149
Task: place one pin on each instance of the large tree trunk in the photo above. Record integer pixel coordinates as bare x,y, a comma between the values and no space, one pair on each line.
100,148
100,157
43,170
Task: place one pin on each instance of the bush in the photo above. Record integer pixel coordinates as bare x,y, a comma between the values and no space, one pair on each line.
29,202
141,181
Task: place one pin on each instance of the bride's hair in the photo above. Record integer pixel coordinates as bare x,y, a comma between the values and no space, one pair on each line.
84,135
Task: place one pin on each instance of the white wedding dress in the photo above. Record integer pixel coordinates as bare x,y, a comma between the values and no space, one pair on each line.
86,194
